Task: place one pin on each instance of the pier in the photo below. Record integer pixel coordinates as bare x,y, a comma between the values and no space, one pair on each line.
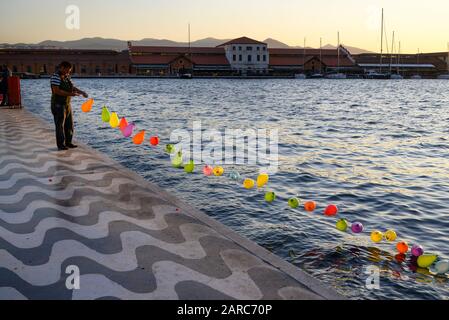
128,238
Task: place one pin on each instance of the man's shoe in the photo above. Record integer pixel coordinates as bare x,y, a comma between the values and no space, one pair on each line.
72,146
63,148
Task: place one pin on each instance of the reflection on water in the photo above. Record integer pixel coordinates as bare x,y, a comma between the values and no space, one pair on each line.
377,149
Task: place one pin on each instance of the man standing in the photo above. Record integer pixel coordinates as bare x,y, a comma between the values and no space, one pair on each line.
63,90
5,74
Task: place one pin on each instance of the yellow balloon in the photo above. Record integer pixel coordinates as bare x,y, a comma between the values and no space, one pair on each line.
377,236
249,183
114,121
391,235
218,171
426,260
262,180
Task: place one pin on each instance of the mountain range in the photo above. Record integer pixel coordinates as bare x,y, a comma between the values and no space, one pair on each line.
98,43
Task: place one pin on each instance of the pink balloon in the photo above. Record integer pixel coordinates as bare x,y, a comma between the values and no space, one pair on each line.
128,130
208,171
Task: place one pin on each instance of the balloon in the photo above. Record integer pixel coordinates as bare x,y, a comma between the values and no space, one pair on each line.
177,160
249,183
417,250
402,247
169,148
310,206
190,167
218,171
234,175
128,131
293,203
331,210
154,141
262,180
139,138
105,115
270,197
87,106
391,235
377,236
426,260
441,267
114,121
357,227
123,124
208,171
342,225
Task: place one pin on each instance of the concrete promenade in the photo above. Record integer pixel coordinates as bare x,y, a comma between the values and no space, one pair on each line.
129,238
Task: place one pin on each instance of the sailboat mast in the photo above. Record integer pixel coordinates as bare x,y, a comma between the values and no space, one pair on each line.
338,51
448,57
398,58
304,57
381,40
392,52
321,55
189,42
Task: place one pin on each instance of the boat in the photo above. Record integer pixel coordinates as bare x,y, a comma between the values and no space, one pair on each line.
300,76
317,76
395,76
186,76
445,76
416,77
376,75
337,75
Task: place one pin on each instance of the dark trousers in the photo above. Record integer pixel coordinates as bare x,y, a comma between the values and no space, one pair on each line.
4,92
63,117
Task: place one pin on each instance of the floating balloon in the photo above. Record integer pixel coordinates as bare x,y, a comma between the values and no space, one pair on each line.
139,138
128,131
331,210
87,106
169,148
402,247
154,141
426,260
417,250
357,227
249,183
114,121
270,197
293,203
262,180
123,124
208,171
310,206
218,171
177,160
376,236
190,167
390,235
441,267
105,115
342,225
234,175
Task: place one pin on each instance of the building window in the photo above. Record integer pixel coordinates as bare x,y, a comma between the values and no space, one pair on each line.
258,48
234,57
240,57
258,57
233,48
264,49
250,57
249,48
240,48
264,57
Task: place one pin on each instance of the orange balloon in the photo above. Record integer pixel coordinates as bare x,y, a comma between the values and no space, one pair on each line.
139,138
402,247
310,206
123,124
87,106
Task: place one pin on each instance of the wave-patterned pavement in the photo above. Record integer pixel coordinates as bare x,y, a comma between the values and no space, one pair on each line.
128,238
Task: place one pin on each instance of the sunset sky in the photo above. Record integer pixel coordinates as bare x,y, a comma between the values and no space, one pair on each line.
418,24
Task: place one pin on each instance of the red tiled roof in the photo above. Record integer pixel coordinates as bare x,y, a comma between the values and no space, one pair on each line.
242,40
178,50
298,60
197,59
315,52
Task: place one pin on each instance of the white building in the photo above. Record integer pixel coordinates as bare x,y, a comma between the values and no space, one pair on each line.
247,55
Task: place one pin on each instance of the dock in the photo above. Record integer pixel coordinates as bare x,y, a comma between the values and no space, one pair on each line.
128,238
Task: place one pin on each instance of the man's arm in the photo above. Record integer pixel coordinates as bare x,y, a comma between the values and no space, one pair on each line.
81,92
59,92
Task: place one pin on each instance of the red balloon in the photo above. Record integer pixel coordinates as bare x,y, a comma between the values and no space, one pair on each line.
331,210
154,141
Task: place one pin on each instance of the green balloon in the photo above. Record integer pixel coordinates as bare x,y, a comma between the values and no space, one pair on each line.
105,115
293,203
177,160
342,225
169,148
270,196
190,167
